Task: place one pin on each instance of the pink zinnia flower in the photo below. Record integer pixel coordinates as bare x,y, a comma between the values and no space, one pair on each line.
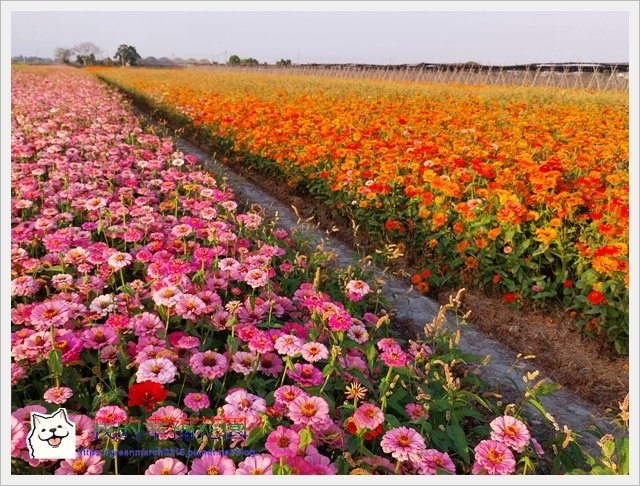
99,337
288,345
415,411
358,333
110,415
270,364
403,443
166,466
85,430
18,436
368,416
242,362
433,459
282,442
196,401
356,290
167,296
165,422
208,364
260,343
146,323
257,277
190,306
54,313
241,404
510,431
181,230
312,411
305,374
340,321
256,465
313,351
119,260
161,370
394,357
81,465
287,394
493,457
212,464
58,394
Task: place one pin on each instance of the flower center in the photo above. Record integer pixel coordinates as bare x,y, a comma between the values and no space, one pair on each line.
403,440
510,430
165,471
211,470
78,466
306,373
209,360
308,409
283,441
494,456
50,313
244,403
155,369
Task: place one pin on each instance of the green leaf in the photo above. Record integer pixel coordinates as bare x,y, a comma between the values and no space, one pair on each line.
392,420
360,376
255,435
459,438
623,452
306,437
232,342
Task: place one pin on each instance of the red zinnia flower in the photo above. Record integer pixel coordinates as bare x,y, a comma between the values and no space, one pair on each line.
594,297
509,297
567,283
146,394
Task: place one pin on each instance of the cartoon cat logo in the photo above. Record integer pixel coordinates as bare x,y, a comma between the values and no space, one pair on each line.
52,436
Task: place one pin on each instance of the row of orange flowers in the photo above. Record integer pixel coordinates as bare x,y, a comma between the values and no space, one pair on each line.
521,190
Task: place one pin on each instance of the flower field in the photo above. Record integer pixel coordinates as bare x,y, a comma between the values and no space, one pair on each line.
523,192
187,335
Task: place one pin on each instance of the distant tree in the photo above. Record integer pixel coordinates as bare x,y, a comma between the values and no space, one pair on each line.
234,60
127,55
250,62
86,53
63,55
284,62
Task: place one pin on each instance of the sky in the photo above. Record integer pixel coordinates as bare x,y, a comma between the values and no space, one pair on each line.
335,37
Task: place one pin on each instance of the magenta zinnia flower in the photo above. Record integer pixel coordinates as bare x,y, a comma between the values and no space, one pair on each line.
209,364
312,411
110,415
493,457
305,374
368,416
165,422
212,464
510,431
433,459
282,442
166,466
18,436
403,443
259,464
196,401
394,356
241,404
81,465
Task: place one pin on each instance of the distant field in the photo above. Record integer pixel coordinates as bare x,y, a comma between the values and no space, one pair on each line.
523,191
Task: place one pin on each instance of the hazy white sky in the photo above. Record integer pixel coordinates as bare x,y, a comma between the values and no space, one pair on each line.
366,37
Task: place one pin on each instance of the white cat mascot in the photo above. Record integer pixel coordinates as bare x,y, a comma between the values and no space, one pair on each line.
52,436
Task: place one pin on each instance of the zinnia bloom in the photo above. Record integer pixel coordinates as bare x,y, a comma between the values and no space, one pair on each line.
433,459
196,401
356,290
493,457
368,416
81,465
209,364
510,431
165,421
58,394
313,411
110,416
256,465
282,442
50,313
313,351
403,443
166,466
119,260
212,464
146,394
305,374
160,370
